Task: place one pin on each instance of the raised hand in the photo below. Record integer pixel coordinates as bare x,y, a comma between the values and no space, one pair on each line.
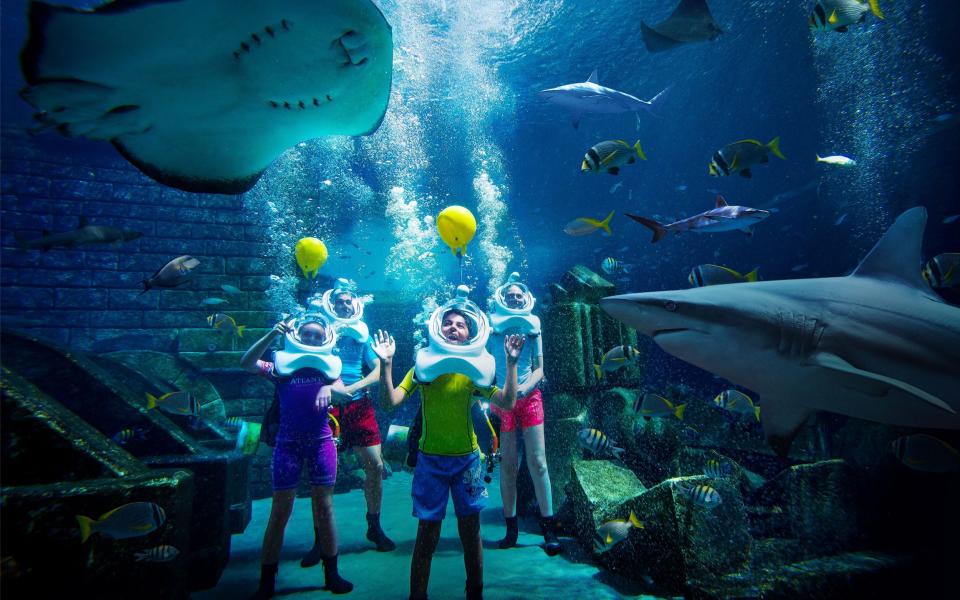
384,346
512,346
283,327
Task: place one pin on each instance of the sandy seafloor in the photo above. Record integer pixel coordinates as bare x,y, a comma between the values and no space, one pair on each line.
522,572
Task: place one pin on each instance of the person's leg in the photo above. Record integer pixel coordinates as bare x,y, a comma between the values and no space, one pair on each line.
428,534
469,529
372,462
535,449
323,499
537,464
280,510
508,484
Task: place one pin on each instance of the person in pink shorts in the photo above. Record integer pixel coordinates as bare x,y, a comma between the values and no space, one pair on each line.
511,314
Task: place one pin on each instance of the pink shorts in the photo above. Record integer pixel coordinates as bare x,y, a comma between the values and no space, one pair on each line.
528,412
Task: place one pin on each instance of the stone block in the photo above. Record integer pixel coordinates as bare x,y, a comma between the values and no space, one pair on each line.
100,260
682,540
25,184
172,245
27,297
583,284
821,503
81,298
172,197
249,266
120,299
598,490
93,210
118,279
66,277
71,188
115,318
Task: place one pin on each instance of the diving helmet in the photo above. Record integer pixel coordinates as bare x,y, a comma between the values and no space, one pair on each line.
298,355
353,326
504,319
470,359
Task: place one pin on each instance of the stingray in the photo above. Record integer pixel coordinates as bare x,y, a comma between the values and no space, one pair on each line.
202,95
690,22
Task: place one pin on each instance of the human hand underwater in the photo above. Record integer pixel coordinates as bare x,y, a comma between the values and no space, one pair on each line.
323,398
384,346
512,346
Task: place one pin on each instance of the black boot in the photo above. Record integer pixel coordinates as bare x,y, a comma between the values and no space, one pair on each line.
313,557
268,579
551,541
335,583
510,540
474,592
376,535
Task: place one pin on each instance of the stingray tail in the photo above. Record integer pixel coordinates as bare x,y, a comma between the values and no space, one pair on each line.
657,228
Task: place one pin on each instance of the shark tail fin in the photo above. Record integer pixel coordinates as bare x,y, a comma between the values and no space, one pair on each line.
605,224
659,98
639,150
875,9
774,146
679,411
658,229
753,275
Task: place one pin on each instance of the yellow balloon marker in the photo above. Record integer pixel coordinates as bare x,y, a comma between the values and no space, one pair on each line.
456,226
311,254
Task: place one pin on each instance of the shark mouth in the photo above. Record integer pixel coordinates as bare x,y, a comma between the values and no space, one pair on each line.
202,95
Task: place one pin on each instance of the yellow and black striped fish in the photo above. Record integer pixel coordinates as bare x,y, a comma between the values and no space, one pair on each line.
717,469
704,495
597,442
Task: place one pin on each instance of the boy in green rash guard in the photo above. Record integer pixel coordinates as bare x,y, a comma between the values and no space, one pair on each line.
449,456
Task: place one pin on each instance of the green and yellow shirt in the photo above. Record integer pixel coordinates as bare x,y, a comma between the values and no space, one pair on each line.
447,423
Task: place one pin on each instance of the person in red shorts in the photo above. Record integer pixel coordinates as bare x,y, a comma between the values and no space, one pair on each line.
511,314
358,421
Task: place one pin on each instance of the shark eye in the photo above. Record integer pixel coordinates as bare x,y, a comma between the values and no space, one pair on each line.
670,305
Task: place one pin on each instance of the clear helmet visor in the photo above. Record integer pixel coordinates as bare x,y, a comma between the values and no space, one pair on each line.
310,332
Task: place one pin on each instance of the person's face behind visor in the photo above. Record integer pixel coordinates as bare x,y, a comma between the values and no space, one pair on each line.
312,334
343,305
454,328
514,297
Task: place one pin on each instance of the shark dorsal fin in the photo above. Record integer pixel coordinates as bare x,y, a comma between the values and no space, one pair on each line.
897,255
593,78
720,201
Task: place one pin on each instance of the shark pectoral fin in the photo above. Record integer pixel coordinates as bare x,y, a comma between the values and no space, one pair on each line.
834,362
781,420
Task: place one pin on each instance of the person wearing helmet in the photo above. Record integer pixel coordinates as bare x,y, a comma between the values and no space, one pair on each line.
448,373
511,313
357,417
307,376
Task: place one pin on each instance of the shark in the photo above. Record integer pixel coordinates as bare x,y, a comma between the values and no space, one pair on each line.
203,95
876,344
723,217
591,97
83,235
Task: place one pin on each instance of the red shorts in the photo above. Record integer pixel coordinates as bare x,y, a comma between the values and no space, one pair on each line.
358,423
526,413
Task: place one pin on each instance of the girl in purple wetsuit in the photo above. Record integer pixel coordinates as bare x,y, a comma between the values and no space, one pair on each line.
305,390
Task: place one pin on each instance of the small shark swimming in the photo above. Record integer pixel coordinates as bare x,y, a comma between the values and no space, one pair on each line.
83,235
722,218
202,95
877,344
589,97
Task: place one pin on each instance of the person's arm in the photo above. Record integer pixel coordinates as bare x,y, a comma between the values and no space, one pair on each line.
536,375
335,393
507,397
249,361
385,347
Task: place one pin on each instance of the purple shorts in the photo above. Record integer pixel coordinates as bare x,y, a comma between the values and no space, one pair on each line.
289,456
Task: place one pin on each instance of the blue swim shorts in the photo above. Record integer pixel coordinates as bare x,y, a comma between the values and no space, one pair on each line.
437,476
289,456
